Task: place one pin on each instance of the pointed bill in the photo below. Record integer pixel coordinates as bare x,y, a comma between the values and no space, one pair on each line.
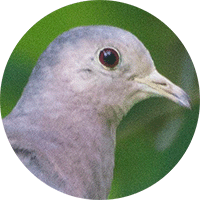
159,85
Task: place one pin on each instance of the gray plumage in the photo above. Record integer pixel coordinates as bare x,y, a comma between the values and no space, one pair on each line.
63,127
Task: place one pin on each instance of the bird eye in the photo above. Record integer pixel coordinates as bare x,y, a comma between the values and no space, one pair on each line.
109,58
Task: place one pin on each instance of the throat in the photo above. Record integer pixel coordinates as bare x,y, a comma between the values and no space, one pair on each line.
90,148
84,142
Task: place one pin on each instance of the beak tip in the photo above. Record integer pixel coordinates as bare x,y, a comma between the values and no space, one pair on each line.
185,101
187,105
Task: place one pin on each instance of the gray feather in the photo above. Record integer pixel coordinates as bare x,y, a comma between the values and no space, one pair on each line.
63,127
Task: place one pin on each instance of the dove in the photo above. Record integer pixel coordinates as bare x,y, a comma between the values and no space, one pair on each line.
63,127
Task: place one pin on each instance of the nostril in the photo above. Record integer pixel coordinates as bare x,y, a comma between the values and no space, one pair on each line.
158,83
164,84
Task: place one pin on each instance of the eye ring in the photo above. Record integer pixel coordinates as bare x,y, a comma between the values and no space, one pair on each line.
109,57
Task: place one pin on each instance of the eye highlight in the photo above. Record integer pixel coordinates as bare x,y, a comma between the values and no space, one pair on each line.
109,58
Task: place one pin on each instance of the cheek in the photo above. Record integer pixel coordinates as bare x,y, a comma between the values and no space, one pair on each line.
117,92
82,83
86,75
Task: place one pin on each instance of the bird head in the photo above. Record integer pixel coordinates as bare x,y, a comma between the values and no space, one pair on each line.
109,67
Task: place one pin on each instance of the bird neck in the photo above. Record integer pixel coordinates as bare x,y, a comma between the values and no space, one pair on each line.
90,144
92,156
84,140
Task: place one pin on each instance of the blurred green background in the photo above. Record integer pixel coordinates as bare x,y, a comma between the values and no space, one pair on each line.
156,132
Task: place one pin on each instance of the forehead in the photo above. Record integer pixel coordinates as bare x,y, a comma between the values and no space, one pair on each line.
92,38
98,33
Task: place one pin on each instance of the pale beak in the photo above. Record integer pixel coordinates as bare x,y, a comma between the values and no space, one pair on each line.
157,84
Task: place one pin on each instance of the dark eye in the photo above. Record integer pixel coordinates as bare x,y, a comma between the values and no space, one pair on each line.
109,57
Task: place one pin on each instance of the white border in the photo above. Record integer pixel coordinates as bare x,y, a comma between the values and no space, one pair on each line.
17,17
